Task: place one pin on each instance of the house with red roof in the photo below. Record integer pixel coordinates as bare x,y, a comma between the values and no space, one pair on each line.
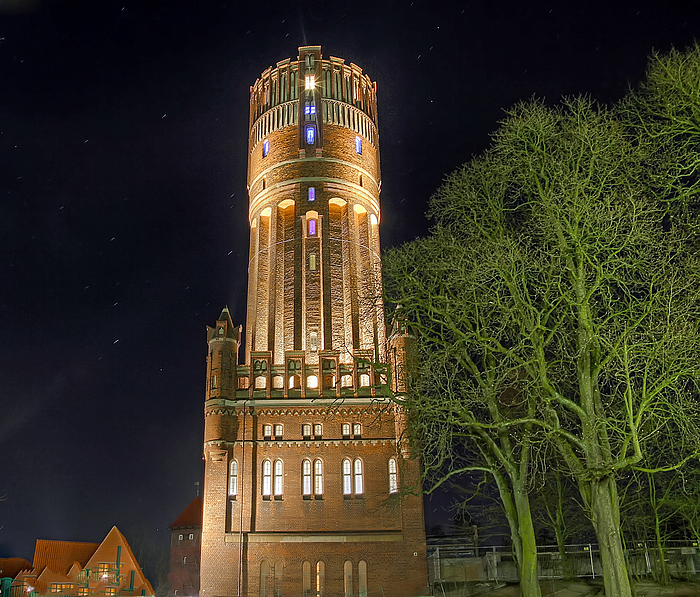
75,569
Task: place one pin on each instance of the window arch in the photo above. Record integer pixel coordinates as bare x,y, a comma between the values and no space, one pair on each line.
393,476
306,579
347,477
318,477
362,574
347,578
279,478
320,579
306,477
279,569
267,478
233,479
264,578
358,477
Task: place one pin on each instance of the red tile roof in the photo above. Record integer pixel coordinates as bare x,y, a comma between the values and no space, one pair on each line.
58,556
191,516
11,567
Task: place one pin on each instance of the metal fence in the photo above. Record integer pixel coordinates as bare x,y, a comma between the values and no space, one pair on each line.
454,568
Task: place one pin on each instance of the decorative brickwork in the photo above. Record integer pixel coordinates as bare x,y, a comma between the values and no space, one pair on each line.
303,464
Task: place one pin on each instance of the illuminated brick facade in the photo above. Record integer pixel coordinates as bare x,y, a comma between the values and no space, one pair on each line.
303,465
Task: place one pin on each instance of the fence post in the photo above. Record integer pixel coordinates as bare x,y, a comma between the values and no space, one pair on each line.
590,552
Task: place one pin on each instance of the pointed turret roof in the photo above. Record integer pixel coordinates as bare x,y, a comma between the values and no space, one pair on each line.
191,516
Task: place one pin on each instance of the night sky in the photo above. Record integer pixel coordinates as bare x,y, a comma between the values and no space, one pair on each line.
123,218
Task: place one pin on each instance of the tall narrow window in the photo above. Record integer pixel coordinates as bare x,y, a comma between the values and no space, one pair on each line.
312,262
310,82
346,429
267,431
318,429
347,477
306,477
306,430
279,568
267,478
318,478
312,227
266,147
233,479
347,578
306,579
393,476
358,145
310,135
320,579
312,194
278,431
264,578
362,573
278,478
357,429
359,483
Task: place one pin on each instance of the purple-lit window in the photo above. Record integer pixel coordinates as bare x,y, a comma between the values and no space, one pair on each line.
266,148
312,194
358,145
310,135
312,227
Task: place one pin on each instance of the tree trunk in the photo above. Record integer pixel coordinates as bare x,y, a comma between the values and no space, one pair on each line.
605,517
529,581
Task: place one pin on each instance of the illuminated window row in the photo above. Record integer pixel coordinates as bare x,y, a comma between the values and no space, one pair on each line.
318,587
311,478
308,430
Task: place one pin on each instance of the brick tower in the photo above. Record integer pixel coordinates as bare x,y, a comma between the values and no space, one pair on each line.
304,470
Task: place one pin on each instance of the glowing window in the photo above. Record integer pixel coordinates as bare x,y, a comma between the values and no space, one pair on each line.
266,148
278,478
306,430
347,477
358,145
267,478
306,477
364,380
318,429
312,382
310,82
357,429
313,341
310,109
320,579
393,476
359,484
233,479
278,430
312,227
310,135
346,428
312,194
312,262
267,430
318,477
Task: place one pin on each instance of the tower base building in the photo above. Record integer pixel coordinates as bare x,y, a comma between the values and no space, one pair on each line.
304,467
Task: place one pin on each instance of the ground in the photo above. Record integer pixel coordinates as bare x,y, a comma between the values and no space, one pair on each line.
560,588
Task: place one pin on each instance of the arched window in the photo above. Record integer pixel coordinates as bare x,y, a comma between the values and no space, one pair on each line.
278,478
267,478
347,578
233,479
318,477
358,145
393,476
306,477
279,568
359,483
306,579
264,578
320,579
312,194
362,574
310,134
312,227
347,477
